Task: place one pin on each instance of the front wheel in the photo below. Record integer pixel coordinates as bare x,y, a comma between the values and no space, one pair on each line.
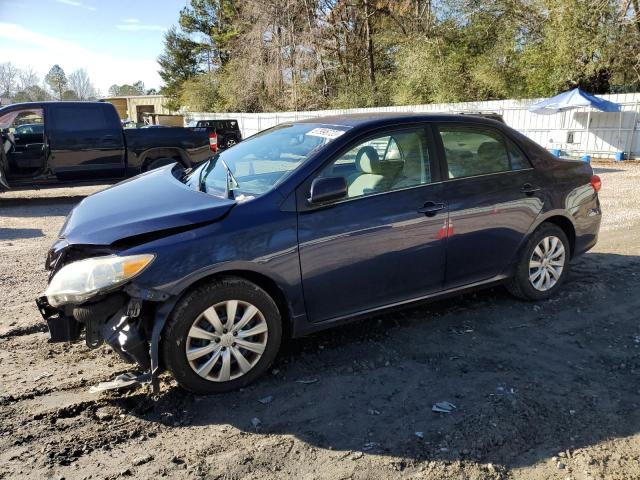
222,336
543,266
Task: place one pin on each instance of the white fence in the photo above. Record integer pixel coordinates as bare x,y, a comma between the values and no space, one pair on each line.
608,134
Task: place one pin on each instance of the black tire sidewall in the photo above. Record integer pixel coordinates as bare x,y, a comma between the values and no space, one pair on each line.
191,306
522,273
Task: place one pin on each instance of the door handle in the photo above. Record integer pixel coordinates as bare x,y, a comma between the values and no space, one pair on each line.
431,208
529,189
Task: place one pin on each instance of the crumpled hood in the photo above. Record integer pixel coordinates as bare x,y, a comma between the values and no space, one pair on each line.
144,204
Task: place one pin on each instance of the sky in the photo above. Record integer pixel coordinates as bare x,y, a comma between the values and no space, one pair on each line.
116,41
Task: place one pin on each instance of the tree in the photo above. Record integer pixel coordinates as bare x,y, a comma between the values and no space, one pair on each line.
57,81
124,90
200,93
32,93
80,83
313,54
27,78
8,74
179,62
214,21
70,95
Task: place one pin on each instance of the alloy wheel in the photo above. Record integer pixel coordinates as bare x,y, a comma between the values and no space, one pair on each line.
226,340
547,263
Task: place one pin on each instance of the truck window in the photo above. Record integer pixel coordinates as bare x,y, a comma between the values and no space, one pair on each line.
79,118
22,121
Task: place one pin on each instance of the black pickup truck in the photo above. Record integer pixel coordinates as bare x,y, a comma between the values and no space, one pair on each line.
60,143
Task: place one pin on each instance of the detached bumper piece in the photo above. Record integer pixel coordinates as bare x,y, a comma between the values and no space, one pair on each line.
62,328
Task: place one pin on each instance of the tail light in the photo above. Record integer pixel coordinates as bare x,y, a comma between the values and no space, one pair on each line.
213,142
596,183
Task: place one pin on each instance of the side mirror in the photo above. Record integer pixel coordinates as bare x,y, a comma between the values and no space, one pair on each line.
327,189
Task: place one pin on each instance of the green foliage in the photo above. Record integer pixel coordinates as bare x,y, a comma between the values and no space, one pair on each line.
123,90
313,54
69,95
178,63
57,81
32,93
200,93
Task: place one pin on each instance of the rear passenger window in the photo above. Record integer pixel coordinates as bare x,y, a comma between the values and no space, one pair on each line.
477,151
79,118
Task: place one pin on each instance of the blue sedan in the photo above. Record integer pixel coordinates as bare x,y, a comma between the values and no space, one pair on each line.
305,226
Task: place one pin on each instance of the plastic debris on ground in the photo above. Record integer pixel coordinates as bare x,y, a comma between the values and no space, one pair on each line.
443,407
307,381
125,380
256,422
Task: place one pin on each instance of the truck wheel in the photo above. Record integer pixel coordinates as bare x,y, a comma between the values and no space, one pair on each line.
222,336
159,162
543,266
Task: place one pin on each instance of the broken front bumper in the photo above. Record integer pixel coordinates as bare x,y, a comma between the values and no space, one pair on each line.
62,328
129,321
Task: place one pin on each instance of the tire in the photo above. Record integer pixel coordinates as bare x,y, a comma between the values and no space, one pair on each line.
179,338
159,162
523,283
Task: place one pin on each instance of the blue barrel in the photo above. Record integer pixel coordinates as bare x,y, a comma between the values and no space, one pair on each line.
555,152
619,156
586,158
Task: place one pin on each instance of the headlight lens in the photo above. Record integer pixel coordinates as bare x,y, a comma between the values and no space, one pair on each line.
81,280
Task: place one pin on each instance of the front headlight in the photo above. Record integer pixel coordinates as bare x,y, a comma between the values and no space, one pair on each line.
81,280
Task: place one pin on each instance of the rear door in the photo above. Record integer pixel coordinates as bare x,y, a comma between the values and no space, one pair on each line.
86,141
494,196
383,244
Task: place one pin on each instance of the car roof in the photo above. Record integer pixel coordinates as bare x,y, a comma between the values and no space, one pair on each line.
12,106
372,119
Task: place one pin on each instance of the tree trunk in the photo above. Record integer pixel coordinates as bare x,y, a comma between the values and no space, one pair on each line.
369,41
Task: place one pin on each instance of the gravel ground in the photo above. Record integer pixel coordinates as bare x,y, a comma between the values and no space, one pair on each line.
543,390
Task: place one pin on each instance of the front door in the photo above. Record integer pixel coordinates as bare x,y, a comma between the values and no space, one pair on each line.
494,197
23,142
86,141
384,243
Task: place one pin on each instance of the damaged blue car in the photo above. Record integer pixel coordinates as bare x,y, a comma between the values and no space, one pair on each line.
304,226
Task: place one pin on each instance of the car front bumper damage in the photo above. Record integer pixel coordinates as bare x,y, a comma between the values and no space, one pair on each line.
129,320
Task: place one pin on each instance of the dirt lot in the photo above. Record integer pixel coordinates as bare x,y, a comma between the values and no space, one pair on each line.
547,390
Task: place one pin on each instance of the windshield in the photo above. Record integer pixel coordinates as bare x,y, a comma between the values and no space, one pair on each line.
258,164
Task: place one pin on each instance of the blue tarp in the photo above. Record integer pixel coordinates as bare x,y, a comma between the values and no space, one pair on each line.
575,98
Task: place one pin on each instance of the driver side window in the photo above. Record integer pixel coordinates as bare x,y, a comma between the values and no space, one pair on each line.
383,163
29,121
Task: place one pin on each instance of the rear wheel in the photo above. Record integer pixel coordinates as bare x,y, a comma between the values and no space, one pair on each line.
543,266
222,336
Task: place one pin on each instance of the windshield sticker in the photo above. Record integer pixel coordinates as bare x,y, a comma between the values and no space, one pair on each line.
325,132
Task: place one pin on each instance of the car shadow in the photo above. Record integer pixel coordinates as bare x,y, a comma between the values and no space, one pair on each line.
599,170
38,207
40,201
528,380
20,233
